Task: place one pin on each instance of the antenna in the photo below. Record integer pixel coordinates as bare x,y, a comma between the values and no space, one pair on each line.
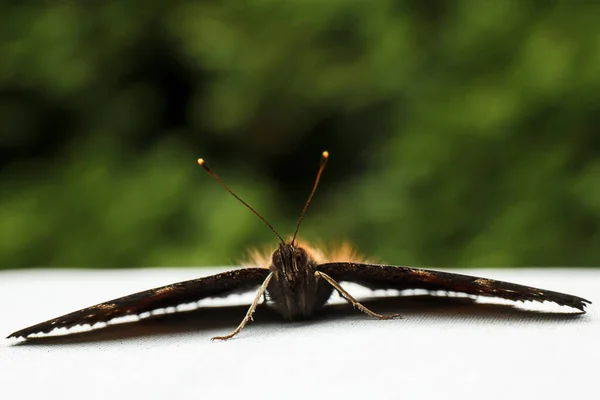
324,158
204,165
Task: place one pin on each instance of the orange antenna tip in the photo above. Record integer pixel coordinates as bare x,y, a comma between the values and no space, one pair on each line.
204,165
325,154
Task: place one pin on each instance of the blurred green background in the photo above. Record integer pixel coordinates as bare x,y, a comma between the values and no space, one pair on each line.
461,133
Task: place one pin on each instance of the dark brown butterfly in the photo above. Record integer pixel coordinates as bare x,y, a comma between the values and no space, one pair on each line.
298,281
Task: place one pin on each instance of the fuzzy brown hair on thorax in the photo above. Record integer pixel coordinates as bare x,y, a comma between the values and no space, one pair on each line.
342,252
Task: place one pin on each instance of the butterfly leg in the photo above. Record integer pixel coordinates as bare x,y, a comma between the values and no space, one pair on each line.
351,299
251,310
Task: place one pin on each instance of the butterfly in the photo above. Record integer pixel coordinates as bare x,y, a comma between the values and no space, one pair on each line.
298,280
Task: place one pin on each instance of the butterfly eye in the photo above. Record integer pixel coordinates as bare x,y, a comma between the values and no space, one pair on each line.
301,257
276,257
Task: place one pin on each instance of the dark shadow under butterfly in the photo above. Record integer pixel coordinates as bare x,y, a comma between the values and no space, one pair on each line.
297,281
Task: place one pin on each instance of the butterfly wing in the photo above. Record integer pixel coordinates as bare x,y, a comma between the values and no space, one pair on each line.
166,296
375,276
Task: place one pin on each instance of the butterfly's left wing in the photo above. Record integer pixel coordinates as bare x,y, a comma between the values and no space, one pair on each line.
375,276
218,285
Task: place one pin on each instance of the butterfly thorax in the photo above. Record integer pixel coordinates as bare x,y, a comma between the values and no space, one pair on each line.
294,291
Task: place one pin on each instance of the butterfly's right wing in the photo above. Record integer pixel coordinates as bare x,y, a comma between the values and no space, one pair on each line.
218,285
375,276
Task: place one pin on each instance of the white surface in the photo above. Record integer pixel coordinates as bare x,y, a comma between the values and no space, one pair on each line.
453,349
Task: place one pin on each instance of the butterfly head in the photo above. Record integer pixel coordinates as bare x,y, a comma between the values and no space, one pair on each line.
290,260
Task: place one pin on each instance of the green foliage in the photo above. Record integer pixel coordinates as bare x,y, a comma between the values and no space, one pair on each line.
461,133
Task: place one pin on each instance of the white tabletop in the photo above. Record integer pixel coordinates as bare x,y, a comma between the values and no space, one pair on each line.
442,348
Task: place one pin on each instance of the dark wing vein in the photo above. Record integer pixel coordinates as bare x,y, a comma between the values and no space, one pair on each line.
166,296
376,276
